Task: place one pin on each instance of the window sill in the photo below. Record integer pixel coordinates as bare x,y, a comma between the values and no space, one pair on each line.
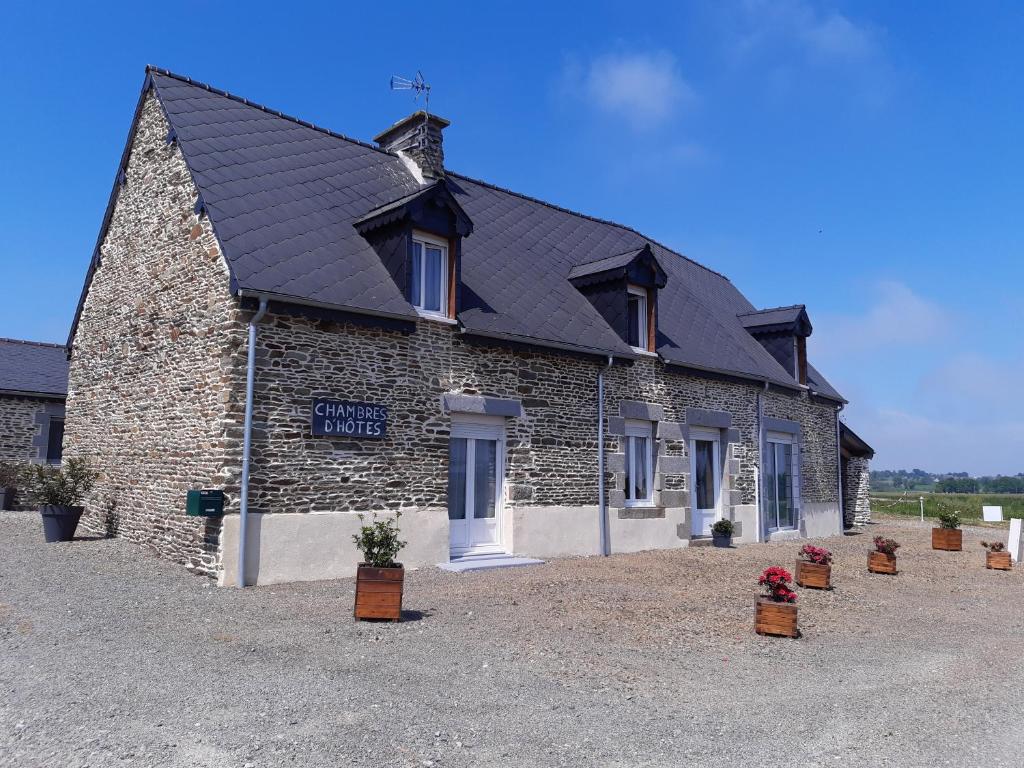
444,320
645,512
644,352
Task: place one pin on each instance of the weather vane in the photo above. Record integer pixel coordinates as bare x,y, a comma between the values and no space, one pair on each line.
417,84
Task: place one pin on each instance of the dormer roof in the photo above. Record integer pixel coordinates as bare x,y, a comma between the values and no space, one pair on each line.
778,319
631,264
409,206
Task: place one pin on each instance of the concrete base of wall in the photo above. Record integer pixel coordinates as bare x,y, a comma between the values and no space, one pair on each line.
311,547
561,531
821,520
745,518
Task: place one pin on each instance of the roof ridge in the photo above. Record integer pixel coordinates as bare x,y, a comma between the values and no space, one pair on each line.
335,134
264,108
5,340
771,309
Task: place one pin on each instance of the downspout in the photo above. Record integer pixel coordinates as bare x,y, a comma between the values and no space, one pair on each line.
602,510
839,475
250,378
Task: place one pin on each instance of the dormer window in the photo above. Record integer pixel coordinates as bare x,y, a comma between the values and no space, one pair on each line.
624,289
637,320
783,332
428,275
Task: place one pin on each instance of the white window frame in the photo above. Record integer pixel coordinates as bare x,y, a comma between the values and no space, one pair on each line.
635,429
644,324
418,302
773,439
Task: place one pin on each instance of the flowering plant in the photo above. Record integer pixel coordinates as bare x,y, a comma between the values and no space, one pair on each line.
776,580
949,520
993,546
886,546
816,555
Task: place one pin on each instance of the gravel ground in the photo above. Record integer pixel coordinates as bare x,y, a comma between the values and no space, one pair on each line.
112,657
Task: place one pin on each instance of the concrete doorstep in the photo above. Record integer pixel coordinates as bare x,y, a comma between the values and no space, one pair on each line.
486,562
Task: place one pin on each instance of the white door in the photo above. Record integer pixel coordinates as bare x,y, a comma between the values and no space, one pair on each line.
476,470
706,475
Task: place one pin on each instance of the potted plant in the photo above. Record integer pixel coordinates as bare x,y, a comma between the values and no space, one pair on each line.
10,475
883,558
814,568
721,533
996,556
59,492
948,535
379,579
775,612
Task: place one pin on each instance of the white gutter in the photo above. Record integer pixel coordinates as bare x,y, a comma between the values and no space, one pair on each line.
602,510
759,533
839,475
250,378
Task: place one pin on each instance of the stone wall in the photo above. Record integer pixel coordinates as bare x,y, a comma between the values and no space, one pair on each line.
819,451
20,428
152,363
856,490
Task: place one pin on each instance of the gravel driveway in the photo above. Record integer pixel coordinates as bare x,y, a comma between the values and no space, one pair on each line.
112,657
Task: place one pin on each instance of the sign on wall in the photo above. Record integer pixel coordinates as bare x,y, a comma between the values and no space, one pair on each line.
345,418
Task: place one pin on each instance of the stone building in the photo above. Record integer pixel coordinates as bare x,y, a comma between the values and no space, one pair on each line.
418,342
855,459
33,386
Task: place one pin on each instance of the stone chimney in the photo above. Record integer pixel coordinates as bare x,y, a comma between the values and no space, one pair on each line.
417,140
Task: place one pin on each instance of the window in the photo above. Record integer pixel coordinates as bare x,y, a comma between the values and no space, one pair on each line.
428,276
55,441
636,318
639,463
781,493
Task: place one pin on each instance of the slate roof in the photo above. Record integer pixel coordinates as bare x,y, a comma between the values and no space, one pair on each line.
773,316
33,368
605,264
854,443
283,196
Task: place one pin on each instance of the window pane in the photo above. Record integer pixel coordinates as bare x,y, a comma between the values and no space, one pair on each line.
770,486
55,441
415,274
640,484
633,320
432,280
485,473
784,464
704,454
457,479
629,469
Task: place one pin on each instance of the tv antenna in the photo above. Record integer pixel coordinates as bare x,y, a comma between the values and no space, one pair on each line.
417,84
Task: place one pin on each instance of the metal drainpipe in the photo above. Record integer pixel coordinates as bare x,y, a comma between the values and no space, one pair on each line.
839,475
759,533
250,378
601,509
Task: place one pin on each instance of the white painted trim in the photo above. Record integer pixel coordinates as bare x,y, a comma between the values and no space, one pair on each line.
482,427
714,436
635,428
425,239
643,325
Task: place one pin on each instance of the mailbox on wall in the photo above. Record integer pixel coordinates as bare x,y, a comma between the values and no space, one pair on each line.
208,503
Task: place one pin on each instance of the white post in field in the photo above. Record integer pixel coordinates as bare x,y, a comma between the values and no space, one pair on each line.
921,499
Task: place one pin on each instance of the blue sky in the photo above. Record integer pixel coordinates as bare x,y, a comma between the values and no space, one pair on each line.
861,158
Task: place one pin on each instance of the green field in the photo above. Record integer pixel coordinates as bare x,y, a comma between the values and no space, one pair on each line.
967,504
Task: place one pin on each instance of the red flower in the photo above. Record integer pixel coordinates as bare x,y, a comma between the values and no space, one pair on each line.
777,581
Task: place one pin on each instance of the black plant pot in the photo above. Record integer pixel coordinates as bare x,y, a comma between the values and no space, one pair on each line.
7,497
721,541
59,522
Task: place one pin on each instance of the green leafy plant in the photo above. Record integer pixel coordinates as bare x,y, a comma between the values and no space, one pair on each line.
10,474
63,486
950,520
723,528
379,541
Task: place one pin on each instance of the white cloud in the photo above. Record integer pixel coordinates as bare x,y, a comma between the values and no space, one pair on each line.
896,317
824,34
644,89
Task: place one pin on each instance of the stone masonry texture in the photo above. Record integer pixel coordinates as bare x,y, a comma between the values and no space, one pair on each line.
150,377
19,428
157,385
857,490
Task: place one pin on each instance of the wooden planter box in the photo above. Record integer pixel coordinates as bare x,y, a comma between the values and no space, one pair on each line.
1000,561
813,575
879,562
771,618
379,592
949,539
